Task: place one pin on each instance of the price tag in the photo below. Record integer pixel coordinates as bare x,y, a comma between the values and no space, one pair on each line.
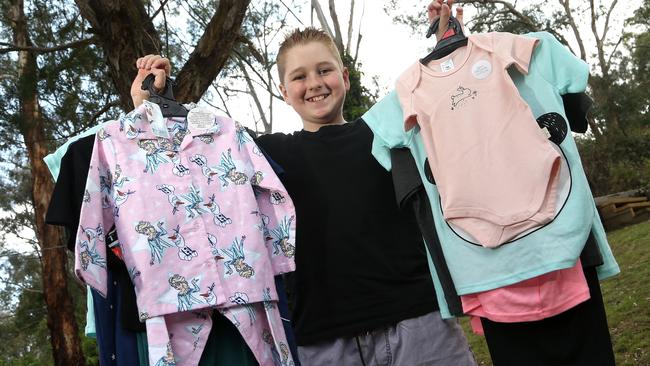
200,118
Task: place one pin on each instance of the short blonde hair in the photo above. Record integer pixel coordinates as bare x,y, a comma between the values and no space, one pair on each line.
302,37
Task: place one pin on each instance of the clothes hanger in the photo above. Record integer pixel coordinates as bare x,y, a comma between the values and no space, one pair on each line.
453,39
168,104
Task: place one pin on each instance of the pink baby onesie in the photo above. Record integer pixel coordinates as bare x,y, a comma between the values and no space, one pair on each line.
495,169
204,223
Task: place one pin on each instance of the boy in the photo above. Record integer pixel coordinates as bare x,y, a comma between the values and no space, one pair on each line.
362,290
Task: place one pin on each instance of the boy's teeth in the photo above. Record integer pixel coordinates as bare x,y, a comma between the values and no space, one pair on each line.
318,98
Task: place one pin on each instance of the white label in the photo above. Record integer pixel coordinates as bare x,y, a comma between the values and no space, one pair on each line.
546,132
200,118
156,119
482,69
447,65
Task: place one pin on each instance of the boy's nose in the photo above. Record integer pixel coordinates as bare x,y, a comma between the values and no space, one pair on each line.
315,82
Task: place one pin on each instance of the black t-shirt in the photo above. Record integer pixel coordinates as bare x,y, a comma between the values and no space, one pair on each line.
360,261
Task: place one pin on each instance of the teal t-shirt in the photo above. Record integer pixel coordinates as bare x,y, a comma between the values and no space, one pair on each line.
553,71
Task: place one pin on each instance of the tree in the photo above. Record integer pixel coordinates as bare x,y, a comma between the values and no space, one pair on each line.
31,125
359,98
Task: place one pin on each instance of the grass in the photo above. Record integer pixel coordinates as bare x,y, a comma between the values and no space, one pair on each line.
626,297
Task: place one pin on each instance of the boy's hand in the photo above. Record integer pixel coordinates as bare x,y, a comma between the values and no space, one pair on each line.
149,64
442,9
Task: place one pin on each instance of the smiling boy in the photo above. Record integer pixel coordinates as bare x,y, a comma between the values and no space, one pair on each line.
362,290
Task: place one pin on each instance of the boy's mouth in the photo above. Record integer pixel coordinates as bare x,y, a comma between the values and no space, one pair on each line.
318,98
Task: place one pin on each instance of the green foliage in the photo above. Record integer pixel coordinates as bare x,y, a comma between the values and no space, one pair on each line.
359,98
617,163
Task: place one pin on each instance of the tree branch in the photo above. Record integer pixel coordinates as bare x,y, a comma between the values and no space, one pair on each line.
315,6
349,42
338,39
37,49
574,27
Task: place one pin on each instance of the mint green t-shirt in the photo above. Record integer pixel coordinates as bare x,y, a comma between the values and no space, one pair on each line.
553,71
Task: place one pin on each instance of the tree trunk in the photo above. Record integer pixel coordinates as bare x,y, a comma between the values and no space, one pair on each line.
125,33
212,51
64,334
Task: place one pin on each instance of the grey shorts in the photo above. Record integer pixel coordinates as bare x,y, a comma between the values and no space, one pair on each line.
425,340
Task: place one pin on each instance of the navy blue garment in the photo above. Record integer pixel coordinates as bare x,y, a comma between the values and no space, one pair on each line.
283,307
117,345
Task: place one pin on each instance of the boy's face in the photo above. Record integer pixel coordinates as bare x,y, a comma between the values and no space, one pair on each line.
314,84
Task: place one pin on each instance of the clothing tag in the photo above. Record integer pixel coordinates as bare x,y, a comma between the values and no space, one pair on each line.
546,132
482,69
200,118
156,119
447,65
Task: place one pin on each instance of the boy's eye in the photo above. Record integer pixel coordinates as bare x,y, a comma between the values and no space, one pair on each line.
325,71
298,77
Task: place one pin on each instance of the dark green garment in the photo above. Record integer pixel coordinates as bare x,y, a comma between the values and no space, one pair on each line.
225,345
143,348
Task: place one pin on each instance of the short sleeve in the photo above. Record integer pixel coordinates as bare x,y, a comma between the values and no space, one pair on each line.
386,121
515,49
568,73
95,218
276,212
68,193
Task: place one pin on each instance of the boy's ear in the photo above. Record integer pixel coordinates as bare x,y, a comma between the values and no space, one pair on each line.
283,90
346,78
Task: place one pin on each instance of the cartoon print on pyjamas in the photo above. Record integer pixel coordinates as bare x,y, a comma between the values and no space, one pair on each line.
155,238
209,296
86,198
256,180
277,198
155,155
266,298
126,125
168,358
119,194
194,330
172,198
237,257
102,134
212,240
241,136
88,253
462,95
184,252
241,298
206,139
281,238
281,358
202,162
186,293
218,217
191,201
228,170
263,225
